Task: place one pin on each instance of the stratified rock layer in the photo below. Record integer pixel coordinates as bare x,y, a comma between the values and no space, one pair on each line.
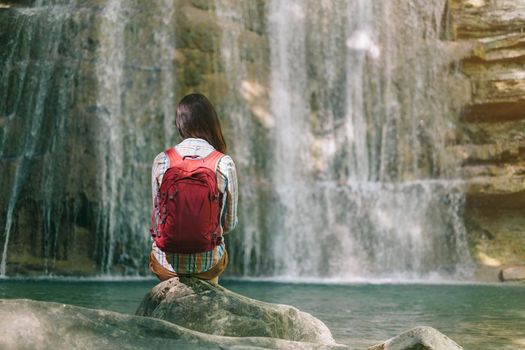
102,78
28,324
197,305
492,142
418,338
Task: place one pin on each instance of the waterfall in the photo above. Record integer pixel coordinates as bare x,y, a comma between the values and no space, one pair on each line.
110,78
338,115
165,36
82,110
364,185
23,151
124,105
231,15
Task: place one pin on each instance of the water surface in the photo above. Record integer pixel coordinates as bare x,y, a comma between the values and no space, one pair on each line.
359,315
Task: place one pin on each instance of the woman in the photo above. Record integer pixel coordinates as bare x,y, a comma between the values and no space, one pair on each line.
200,129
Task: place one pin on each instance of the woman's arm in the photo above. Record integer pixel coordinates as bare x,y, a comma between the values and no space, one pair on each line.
160,164
229,208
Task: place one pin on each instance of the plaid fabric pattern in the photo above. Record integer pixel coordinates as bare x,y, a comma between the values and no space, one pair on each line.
227,183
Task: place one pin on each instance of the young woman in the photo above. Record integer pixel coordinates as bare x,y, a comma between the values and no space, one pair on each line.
200,129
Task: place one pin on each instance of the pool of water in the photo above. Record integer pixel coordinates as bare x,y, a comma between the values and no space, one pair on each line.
476,316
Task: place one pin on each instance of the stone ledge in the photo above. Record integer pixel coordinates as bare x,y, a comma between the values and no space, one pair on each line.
500,47
482,18
492,133
514,273
495,111
492,153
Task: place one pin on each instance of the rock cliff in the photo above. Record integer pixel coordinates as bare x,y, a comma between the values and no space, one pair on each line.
88,88
492,127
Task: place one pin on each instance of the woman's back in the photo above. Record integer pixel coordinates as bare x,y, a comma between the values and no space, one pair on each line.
210,263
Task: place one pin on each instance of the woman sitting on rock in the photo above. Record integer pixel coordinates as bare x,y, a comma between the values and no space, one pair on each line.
194,197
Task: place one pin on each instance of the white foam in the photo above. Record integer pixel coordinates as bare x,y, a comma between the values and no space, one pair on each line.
367,281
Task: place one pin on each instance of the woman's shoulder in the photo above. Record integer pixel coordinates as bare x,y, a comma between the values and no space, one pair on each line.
226,164
226,160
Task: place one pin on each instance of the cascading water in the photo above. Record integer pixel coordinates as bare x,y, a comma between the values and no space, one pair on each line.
365,186
83,107
125,106
110,78
337,114
23,151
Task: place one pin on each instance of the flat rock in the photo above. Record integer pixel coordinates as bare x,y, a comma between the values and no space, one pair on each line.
29,324
418,338
197,305
479,18
515,273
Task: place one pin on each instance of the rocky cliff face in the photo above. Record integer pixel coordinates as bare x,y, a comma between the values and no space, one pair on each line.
88,91
87,99
492,140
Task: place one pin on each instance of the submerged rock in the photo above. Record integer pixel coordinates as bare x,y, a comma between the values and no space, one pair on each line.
197,305
515,273
28,324
418,338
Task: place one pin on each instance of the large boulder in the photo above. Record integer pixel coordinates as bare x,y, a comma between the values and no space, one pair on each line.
29,324
198,305
418,338
514,273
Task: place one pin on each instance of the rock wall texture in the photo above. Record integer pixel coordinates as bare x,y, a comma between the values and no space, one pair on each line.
87,89
492,140
87,98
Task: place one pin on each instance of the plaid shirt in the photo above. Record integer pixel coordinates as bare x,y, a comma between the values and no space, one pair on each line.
227,184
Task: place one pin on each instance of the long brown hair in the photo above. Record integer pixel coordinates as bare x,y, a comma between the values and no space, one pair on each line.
197,118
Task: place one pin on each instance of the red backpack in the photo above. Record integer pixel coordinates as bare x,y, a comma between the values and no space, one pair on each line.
188,205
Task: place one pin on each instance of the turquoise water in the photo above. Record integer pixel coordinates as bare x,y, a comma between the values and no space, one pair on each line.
359,315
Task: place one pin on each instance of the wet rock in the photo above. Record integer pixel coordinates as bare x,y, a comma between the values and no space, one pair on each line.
28,324
498,233
197,305
420,338
480,18
515,273
492,145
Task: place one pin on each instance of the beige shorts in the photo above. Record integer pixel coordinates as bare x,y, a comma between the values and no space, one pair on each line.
163,274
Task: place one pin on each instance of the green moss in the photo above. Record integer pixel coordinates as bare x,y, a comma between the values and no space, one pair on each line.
192,75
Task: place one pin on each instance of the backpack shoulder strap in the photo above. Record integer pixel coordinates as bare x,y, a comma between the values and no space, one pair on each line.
212,160
173,156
